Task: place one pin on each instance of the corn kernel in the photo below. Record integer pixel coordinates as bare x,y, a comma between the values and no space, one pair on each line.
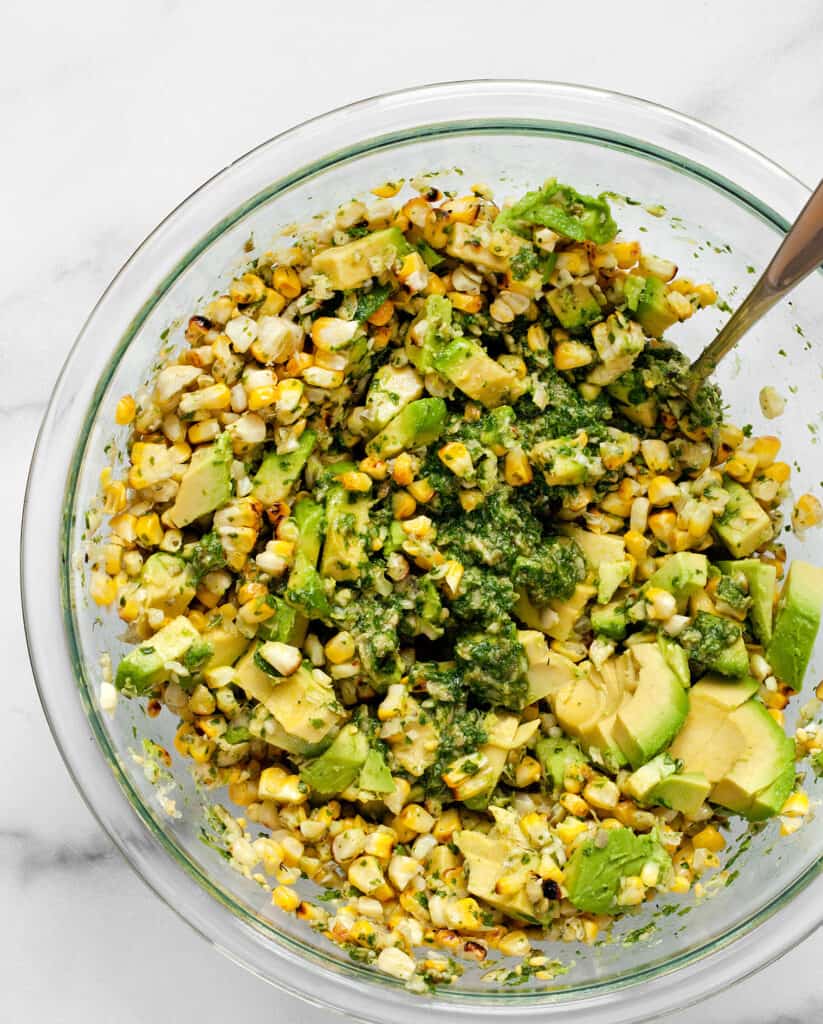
709,839
416,818
286,281
455,455
516,468
355,481
466,303
403,505
388,189
662,490
742,465
125,411
421,490
796,806
103,588
285,898
264,396
570,355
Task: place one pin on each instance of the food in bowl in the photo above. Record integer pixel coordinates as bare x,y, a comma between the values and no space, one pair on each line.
476,616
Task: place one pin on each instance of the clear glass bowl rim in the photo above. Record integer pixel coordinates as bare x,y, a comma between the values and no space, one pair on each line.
661,134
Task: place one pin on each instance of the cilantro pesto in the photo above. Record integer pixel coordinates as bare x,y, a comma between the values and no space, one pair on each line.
481,623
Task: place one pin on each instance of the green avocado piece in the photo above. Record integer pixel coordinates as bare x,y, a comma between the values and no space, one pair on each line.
287,625
144,667
685,792
351,265
418,424
742,525
555,756
593,873
278,474
347,525
649,718
654,313
391,389
439,332
762,579
206,484
642,782
610,620
226,643
339,765
717,643
305,591
610,577
487,860
574,305
676,658
474,372
375,776
167,583
796,624
681,574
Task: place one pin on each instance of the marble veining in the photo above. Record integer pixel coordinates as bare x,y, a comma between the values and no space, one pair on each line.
112,113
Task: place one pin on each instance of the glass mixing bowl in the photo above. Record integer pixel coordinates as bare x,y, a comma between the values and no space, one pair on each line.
726,208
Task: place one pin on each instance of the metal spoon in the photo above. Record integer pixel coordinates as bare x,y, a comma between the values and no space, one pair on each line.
800,252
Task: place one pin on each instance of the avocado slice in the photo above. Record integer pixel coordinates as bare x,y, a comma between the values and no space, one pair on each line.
676,658
419,423
762,579
717,643
391,389
641,783
610,576
347,524
206,484
568,611
375,776
167,583
305,592
796,624
475,373
597,547
339,765
653,313
278,474
487,860
144,667
351,265
650,717
681,574
287,625
743,525
227,643
610,620
463,245
574,305
556,756
685,792
593,873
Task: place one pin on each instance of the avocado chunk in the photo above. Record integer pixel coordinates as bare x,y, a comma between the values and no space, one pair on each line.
685,792
475,373
610,576
347,524
463,245
650,717
391,389
574,305
717,643
419,423
641,783
167,583
501,736
762,580
339,765
681,574
287,625
305,591
593,873
375,776
144,667
278,474
743,526
796,624
206,484
599,548
226,644
556,756
653,311
676,658
487,860
351,265
610,620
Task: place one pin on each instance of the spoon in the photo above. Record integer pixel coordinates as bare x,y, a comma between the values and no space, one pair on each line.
800,252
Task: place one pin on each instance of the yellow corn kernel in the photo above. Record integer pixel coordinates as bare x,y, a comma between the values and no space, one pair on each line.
516,468
742,465
709,839
797,805
662,490
777,715
661,524
421,490
569,829
527,773
807,512
256,610
455,455
355,481
515,943
129,611
204,431
779,471
463,209
680,884
376,468
435,285
416,818
379,844
103,588
125,411
452,575
148,530
264,396
388,189
413,272
466,303
706,295
403,505
569,355
340,648
381,316
248,288
366,874
575,805
766,449
469,500
636,544
446,825
285,898
114,498
286,281
403,470
112,558
276,784
536,338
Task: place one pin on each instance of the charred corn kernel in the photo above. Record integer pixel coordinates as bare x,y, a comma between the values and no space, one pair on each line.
807,512
796,806
416,818
248,288
413,272
466,303
575,805
446,825
662,490
742,465
570,355
286,281
278,785
403,505
779,471
516,468
356,481
421,490
285,898
636,544
103,588
709,839
125,411
263,397
366,874
403,469
463,209
661,524
455,456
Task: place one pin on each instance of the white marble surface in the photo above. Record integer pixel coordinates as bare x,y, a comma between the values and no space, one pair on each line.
114,111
